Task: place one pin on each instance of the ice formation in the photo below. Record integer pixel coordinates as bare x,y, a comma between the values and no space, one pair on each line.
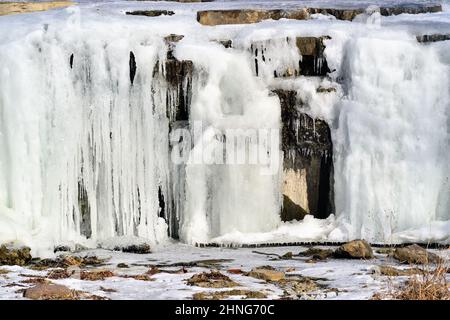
84,143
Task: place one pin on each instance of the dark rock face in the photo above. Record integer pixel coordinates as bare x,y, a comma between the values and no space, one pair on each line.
410,9
313,62
151,13
10,255
143,248
433,37
307,165
356,249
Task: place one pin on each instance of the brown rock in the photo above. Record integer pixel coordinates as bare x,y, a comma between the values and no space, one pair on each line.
10,255
356,249
96,275
49,291
24,7
266,274
415,254
213,279
246,16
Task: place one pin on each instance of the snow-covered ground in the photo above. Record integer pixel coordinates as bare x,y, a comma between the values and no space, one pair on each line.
336,279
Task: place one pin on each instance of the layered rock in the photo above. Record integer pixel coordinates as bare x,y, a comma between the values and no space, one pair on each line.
7,8
246,16
150,13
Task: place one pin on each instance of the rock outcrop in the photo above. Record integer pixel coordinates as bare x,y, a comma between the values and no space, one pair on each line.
266,274
307,164
356,249
7,8
11,255
246,16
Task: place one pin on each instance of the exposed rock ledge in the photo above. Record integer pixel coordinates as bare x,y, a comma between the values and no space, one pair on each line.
25,7
246,16
433,37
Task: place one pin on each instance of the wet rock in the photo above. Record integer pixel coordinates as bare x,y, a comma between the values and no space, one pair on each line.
12,255
7,8
108,290
122,265
60,274
313,61
50,291
307,161
218,295
151,13
246,16
356,249
62,248
317,254
415,254
213,279
395,272
340,14
410,9
266,274
142,248
325,90
433,38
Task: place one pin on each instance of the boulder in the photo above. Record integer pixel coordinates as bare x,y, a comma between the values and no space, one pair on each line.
50,291
317,253
11,255
266,274
415,254
356,249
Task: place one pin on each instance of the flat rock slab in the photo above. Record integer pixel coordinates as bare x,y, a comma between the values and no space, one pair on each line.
266,274
25,7
433,38
150,13
246,16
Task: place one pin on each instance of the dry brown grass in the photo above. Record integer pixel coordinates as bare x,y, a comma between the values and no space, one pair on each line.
430,284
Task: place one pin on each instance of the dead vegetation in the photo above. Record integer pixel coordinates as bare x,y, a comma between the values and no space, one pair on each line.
429,283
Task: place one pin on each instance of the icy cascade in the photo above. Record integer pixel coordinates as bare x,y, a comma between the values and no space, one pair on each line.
224,192
392,139
82,150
